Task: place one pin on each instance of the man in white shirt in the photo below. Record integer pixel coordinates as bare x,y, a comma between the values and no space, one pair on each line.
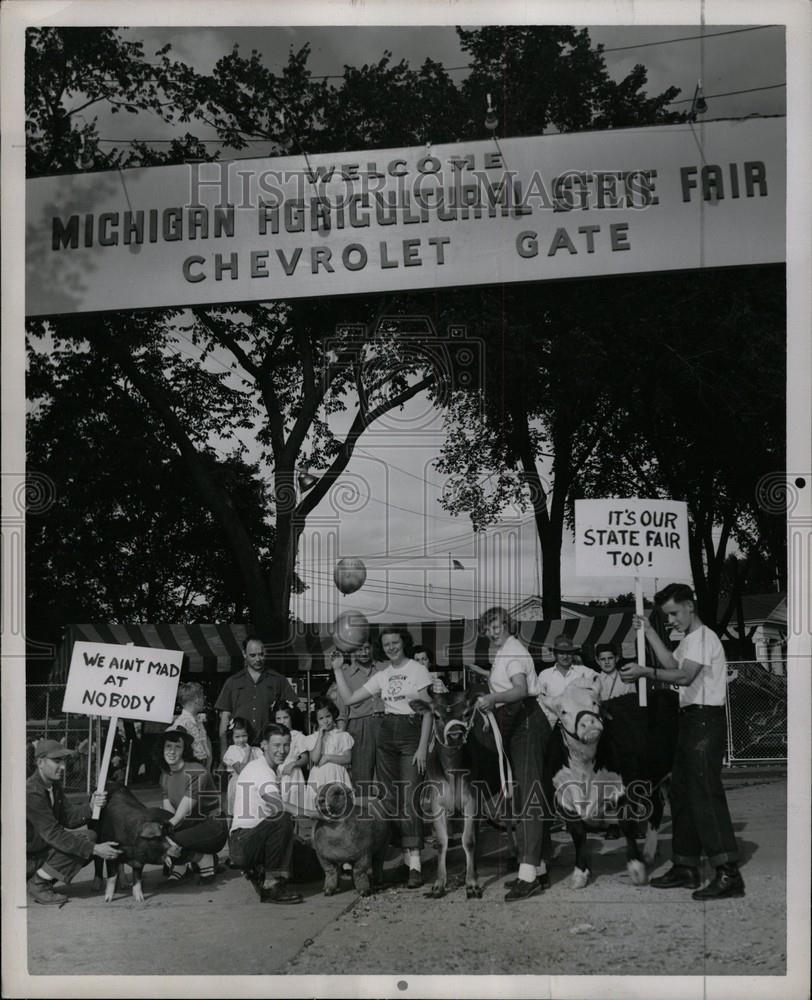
262,831
699,811
556,679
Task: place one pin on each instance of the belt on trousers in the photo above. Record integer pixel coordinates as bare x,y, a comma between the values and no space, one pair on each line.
704,708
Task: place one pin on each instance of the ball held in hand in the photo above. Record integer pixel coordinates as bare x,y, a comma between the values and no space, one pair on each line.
350,630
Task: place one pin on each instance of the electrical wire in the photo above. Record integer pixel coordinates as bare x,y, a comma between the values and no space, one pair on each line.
681,100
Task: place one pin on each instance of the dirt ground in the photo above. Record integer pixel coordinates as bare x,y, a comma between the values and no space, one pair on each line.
610,927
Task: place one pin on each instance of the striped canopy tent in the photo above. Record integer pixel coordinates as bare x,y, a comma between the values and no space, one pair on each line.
216,649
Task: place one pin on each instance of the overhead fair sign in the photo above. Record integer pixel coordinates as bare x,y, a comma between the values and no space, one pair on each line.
634,538
131,682
550,207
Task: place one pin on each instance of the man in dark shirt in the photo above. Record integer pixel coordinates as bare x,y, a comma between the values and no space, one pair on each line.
55,850
362,721
250,693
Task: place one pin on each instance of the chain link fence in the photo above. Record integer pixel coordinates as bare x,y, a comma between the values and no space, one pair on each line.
44,719
756,714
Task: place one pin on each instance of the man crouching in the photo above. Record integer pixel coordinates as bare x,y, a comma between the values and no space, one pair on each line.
262,833
55,849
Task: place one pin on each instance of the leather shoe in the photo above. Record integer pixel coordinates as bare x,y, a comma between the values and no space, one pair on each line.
728,884
280,893
415,879
544,879
523,890
41,891
677,877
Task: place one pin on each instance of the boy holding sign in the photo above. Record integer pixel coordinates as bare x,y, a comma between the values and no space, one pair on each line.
699,811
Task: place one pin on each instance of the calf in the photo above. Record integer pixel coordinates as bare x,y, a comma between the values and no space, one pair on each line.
586,794
349,831
449,789
141,832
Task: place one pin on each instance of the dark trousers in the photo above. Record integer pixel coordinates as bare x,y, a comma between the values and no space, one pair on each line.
699,813
268,845
398,741
201,836
365,733
61,866
525,731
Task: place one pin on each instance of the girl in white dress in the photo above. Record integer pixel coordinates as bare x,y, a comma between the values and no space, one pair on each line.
291,773
239,753
330,750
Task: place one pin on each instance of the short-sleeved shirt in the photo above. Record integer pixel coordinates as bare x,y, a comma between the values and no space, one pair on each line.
250,809
356,676
194,781
511,659
397,686
252,701
708,687
613,686
552,683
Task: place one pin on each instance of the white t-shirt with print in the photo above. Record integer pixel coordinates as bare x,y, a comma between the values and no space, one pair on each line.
708,687
397,686
511,659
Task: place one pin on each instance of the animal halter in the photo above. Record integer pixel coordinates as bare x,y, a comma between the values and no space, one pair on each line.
578,718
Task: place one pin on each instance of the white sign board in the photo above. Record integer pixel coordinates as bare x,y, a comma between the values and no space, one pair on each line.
620,201
133,682
634,538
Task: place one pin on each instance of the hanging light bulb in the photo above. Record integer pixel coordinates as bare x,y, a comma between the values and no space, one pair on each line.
491,120
701,103
698,105
306,480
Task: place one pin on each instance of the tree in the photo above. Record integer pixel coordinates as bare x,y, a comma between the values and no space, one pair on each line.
127,538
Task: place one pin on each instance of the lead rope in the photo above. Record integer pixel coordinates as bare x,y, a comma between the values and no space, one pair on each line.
505,772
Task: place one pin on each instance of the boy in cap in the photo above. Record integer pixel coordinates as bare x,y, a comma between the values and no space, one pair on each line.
54,852
556,679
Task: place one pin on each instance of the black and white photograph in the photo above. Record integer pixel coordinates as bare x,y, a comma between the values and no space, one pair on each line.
407,496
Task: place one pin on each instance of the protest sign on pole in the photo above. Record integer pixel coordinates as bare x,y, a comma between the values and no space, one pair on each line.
633,538
131,682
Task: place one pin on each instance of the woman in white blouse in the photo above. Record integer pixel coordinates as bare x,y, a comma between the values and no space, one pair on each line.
524,730
400,760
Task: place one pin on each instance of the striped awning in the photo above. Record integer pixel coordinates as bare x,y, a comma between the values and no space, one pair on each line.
216,649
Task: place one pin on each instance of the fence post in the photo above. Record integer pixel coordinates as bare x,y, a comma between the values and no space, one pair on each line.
729,726
47,709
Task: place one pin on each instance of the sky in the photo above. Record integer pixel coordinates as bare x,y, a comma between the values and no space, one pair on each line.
386,510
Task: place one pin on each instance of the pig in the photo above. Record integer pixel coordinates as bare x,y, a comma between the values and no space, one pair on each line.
142,834
586,794
350,832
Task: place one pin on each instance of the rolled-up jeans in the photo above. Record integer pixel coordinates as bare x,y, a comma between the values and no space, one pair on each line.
59,865
699,813
398,740
268,845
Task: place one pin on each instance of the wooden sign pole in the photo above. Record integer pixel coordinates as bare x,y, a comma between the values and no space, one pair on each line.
641,640
105,764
